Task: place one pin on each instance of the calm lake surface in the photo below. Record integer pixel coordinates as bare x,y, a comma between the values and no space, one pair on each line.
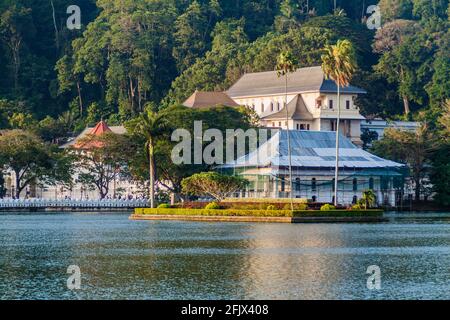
122,259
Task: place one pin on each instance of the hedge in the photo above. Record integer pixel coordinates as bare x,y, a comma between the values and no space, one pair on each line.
258,213
267,200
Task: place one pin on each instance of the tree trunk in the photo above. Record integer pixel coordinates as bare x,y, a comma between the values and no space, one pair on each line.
406,105
80,100
17,193
336,173
55,26
417,188
152,174
289,142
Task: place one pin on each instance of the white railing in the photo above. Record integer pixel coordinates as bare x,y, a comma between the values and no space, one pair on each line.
68,203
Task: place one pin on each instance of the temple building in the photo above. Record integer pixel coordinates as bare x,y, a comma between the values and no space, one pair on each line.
313,166
311,101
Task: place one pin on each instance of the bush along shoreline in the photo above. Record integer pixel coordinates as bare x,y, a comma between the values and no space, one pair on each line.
259,212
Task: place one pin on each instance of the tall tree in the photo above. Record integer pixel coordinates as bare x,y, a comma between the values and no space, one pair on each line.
151,127
411,148
100,159
287,64
339,65
31,160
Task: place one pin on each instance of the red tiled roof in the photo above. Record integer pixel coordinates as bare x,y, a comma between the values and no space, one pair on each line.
100,128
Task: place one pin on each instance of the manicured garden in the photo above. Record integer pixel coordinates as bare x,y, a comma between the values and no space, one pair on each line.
267,210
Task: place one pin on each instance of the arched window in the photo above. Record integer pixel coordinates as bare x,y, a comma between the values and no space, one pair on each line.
355,184
297,184
314,199
371,184
333,184
283,184
355,200
313,185
278,105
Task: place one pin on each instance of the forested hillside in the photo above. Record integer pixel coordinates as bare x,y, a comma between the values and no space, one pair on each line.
130,53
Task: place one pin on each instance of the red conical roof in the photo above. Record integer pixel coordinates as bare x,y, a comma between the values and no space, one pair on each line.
100,128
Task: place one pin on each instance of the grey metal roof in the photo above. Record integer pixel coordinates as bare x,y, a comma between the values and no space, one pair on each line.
310,79
204,99
311,149
296,110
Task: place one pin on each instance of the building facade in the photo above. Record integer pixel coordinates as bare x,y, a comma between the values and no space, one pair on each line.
313,163
311,101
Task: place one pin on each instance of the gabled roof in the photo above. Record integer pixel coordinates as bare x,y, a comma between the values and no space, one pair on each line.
296,110
203,99
310,79
311,149
97,130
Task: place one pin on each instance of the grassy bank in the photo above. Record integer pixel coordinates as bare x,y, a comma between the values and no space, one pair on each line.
258,213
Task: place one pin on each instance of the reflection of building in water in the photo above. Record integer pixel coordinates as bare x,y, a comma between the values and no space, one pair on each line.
294,260
313,165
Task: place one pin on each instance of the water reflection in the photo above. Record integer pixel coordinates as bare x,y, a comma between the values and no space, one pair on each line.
122,259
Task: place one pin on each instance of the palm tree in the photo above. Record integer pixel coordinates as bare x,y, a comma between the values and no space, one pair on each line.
287,64
368,199
339,64
151,126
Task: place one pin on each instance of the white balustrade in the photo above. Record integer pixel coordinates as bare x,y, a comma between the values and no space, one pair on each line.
75,203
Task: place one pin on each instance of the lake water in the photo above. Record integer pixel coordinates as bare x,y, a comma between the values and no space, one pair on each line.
123,259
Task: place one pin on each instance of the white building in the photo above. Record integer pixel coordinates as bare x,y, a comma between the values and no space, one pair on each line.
380,125
311,101
313,168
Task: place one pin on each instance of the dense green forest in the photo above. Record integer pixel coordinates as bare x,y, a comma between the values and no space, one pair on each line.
131,53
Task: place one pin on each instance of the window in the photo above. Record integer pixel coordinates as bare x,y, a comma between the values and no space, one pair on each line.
302,127
313,185
355,200
279,124
273,124
262,107
298,126
278,105
314,199
371,184
347,104
355,184
330,104
297,184
283,184
333,125
333,185
308,127
271,106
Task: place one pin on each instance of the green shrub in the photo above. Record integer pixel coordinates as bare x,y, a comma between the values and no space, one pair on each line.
266,200
356,207
270,207
257,213
164,205
301,206
212,206
327,207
